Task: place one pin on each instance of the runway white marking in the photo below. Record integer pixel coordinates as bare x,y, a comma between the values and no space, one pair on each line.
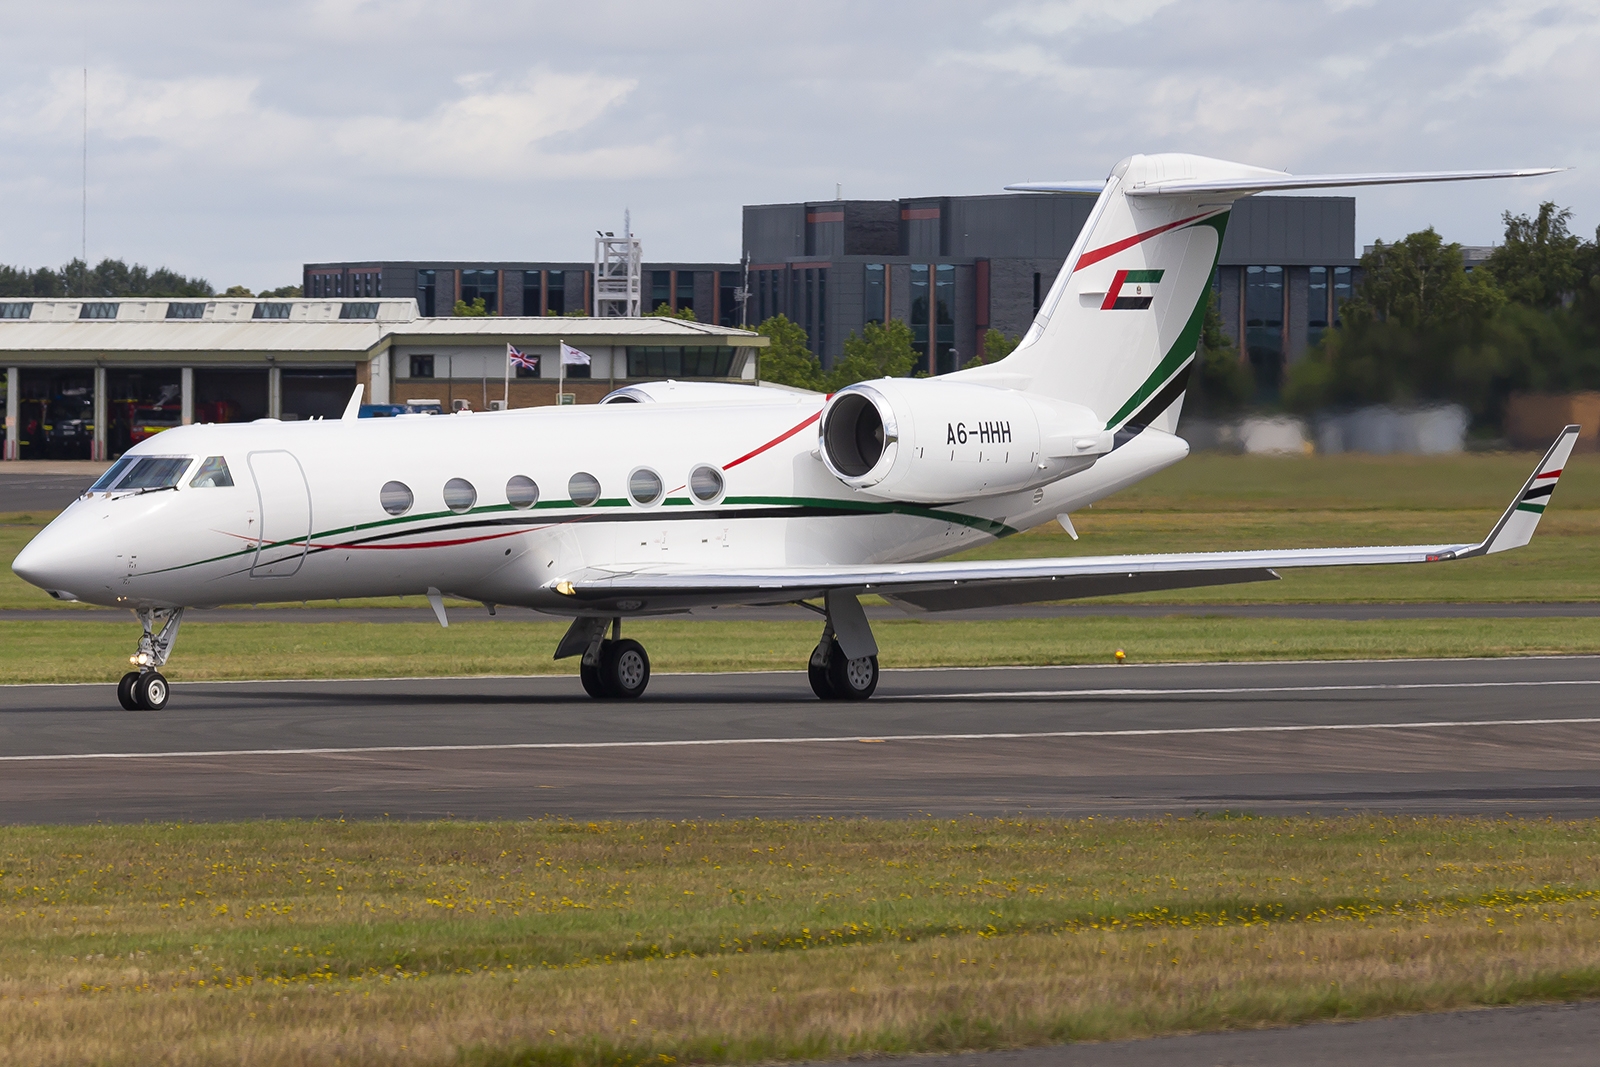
377,750
1235,690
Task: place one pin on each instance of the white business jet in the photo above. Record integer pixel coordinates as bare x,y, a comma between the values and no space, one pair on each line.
667,496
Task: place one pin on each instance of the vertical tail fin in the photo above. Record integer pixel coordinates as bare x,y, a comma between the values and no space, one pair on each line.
1120,326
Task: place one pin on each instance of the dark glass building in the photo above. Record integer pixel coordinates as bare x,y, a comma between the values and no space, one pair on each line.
953,267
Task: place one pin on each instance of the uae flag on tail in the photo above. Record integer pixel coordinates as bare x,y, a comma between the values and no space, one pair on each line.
1132,290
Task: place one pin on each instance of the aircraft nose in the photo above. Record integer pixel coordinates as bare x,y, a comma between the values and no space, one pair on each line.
53,561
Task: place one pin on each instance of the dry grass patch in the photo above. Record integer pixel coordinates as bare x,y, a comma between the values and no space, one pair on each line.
630,943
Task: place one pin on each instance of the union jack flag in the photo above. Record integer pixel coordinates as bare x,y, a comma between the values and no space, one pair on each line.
517,359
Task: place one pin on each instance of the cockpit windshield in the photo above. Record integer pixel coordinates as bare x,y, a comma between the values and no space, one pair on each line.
131,473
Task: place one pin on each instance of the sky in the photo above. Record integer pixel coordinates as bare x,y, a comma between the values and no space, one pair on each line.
237,141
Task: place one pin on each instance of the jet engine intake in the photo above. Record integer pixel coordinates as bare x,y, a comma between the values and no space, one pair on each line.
928,440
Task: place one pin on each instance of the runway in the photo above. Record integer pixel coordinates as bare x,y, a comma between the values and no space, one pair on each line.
1486,736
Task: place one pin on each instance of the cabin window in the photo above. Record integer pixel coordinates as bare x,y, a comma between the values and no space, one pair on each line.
155,472
522,491
583,488
644,486
213,474
395,497
705,483
459,495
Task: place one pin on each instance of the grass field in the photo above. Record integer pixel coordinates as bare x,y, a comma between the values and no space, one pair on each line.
1206,502
574,944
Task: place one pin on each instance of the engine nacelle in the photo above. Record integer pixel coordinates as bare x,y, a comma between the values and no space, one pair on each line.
927,440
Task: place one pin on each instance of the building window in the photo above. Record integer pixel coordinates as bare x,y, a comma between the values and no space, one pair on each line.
728,298
809,308
944,305
422,366
271,311
556,293
660,289
1037,302
98,311
874,303
685,291
427,289
680,361
1343,289
1263,327
919,314
1316,305
481,285
358,311
190,310
16,311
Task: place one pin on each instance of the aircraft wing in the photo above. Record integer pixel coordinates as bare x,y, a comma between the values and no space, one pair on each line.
948,586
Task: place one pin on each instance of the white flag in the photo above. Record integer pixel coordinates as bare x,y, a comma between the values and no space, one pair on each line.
573,357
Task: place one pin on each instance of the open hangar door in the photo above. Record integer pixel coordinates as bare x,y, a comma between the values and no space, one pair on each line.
55,413
140,403
313,393
230,395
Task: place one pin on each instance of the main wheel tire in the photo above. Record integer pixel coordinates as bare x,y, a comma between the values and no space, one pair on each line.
151,691
594,682
125,695
625,669
820,684
852,679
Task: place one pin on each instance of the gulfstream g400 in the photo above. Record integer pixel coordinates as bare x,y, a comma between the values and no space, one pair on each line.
721,494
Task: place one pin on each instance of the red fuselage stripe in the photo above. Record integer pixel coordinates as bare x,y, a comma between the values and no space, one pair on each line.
775,441
1114,247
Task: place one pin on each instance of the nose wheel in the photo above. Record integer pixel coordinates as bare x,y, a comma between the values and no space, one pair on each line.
143,692
146,689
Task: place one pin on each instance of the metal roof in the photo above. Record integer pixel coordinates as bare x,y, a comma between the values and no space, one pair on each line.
313,333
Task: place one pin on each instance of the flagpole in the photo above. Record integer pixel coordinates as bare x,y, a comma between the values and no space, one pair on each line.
508,377
561,375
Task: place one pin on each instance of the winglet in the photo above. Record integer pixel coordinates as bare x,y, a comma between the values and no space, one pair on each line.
1516,526
352,410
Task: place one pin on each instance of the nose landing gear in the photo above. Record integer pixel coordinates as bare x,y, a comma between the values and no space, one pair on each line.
146,689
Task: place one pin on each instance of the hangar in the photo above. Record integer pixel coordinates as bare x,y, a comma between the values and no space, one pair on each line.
88,379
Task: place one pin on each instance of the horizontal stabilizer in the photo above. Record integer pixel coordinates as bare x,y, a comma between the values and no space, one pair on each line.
1283,182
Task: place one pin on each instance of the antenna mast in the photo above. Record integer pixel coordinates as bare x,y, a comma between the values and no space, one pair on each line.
83,252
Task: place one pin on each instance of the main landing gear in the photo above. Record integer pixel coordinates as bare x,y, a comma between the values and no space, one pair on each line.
844,665
146,689
614,668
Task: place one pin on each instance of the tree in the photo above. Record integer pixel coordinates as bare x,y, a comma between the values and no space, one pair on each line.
239,290
111,278
664,311
466,310
996,346
1220,383
1539,264
280,291
882,351
787,360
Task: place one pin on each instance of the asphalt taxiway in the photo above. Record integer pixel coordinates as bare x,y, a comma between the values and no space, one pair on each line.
1489,736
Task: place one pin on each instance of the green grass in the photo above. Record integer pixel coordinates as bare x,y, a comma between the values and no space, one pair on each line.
552,942
75,650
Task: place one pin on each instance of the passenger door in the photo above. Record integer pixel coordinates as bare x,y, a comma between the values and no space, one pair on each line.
284,500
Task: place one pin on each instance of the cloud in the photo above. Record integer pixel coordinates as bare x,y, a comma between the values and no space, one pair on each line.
1065,16
492,129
